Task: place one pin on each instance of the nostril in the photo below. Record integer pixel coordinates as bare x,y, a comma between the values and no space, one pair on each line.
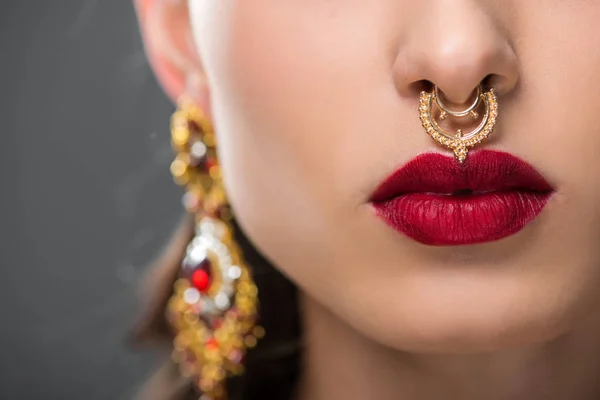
488,82
422,85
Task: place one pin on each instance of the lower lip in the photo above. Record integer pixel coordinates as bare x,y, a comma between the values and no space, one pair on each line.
444,220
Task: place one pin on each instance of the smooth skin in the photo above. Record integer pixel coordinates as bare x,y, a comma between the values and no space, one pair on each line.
315,103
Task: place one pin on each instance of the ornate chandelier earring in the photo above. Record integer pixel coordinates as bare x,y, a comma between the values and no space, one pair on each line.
213,310
459,142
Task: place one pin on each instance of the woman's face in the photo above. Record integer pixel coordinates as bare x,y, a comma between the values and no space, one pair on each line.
315,103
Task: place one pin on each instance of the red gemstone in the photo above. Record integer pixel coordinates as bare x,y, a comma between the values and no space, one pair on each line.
209,163
201,280
199,274
212,343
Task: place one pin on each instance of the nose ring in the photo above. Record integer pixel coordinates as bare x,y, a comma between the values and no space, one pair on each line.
459,142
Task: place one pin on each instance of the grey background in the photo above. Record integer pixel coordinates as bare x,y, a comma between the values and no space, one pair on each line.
86,196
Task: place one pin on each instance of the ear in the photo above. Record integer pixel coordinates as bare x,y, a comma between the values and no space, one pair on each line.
170,48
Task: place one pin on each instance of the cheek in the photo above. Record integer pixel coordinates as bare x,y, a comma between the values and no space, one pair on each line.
288,91
560,127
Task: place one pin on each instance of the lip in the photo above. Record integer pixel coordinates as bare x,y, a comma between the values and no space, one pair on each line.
437,201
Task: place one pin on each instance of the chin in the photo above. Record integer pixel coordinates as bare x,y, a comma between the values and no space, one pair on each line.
465,334
472,320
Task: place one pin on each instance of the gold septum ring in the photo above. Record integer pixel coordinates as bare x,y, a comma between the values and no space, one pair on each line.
459,142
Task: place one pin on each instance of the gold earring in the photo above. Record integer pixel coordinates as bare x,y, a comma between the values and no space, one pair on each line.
459,142
214,307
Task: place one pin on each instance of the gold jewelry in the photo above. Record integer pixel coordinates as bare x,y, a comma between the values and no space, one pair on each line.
213,310
458,114
459,142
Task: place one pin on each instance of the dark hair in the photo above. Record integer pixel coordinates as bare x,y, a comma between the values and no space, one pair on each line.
272,368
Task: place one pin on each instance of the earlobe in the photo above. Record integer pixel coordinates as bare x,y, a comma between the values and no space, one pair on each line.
166,31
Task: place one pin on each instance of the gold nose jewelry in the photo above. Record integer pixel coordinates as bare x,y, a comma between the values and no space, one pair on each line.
459,142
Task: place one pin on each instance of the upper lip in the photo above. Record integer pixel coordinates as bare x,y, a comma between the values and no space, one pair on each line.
483,171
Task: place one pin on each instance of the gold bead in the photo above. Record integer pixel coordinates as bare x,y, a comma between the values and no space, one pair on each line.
180,136
178,168
181,285
209,140
180,343
250,341
215,172
220,335
252,290
259,332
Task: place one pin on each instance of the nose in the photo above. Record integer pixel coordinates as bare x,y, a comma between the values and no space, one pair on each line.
455,45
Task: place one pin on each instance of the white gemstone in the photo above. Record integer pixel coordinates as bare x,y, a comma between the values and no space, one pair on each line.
199,241
198,150
190,200
207,226
227,288
208,307
191,296
198,254
234,272
222,301
220,231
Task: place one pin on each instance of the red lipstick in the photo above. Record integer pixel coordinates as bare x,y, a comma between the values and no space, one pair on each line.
437,201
